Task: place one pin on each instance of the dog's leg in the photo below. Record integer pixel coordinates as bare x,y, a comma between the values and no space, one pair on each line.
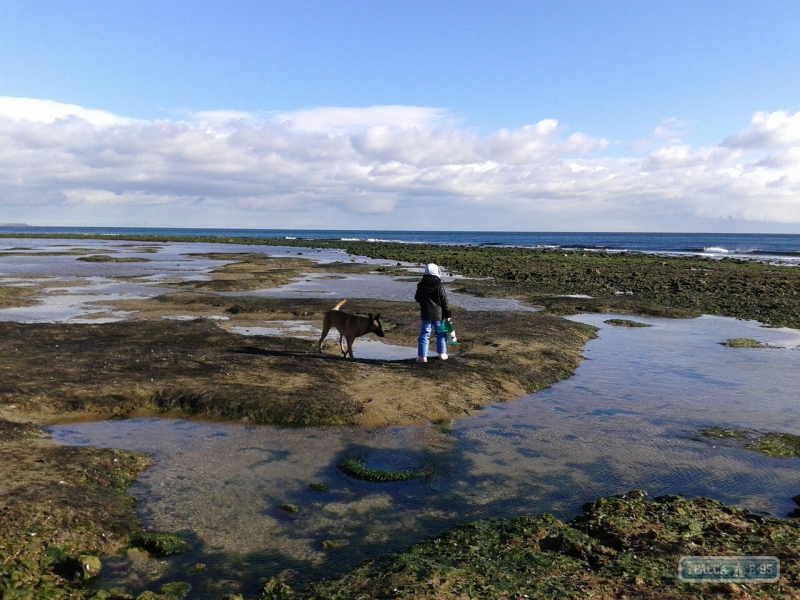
341,345
326,326
350,342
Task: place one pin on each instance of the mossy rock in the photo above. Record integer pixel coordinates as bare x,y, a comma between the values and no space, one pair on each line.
318,487
626,323
177,590
159,544
623,546
90,566
782,445
290,508
720,432
114,594
356,467
779,445
742,343
275,589
335,544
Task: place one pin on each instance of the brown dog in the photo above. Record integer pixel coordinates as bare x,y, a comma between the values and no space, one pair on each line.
349,327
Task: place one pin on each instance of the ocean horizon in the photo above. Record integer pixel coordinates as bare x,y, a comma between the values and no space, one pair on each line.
783,248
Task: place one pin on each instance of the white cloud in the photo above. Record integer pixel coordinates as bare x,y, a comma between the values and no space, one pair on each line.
768,130
47,111
379,167
670,131
333,119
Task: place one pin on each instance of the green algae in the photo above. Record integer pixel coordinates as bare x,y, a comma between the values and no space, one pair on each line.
779,445
94,503
782,445
334,544
624,546
356,467
320,488
742,343
721,432
626,323
290,508
159,544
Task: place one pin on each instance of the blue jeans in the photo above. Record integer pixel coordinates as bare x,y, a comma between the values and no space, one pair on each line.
425,336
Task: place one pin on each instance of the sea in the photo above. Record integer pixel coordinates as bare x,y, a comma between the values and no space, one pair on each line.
775,248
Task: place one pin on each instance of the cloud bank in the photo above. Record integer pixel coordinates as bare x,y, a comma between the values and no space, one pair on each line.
387,167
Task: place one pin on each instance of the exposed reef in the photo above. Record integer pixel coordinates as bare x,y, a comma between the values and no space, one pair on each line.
626,323
781,445
619,547
197,367
617,282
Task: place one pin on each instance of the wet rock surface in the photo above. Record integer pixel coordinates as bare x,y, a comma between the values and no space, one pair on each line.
59,508
196,367
619,547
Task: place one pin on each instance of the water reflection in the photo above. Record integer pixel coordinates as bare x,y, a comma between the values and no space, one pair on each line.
627,419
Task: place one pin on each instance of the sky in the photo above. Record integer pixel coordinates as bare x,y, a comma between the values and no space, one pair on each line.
503,115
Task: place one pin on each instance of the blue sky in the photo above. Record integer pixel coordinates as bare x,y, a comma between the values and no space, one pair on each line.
633,78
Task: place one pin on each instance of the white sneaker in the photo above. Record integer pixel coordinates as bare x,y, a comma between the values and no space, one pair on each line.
443,356
422,359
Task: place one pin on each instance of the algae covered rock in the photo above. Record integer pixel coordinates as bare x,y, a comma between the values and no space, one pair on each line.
742,343
290,508
90,566
275,589
626,323
356,467
782,445
622,546
159,544
778,445
177,590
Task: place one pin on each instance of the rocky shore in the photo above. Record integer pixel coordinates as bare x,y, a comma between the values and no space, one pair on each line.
61,507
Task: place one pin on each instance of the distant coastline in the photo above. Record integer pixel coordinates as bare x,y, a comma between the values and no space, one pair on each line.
14,225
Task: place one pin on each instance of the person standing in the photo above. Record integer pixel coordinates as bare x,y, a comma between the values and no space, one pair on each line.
433,311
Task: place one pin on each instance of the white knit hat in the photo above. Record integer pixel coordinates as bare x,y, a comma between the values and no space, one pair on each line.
432,269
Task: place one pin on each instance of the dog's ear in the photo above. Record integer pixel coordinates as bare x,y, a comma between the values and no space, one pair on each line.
370,317
378,317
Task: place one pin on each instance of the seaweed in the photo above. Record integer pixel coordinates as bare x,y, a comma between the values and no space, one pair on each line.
355,466
622,546
742,343
779,445
159,544
626,323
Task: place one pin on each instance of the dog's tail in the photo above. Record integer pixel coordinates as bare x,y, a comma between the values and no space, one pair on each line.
338,306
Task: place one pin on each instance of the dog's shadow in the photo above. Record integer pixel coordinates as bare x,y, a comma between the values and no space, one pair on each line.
256,351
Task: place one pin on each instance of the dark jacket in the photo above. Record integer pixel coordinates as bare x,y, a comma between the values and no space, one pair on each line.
432,299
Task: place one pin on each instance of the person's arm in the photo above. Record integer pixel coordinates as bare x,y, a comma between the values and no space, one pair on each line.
446,314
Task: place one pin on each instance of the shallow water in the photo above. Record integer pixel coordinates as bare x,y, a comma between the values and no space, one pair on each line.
627,419
70,289
377,286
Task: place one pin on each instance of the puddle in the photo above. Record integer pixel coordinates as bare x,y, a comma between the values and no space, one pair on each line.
627,419
377,286
69,307
78,283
